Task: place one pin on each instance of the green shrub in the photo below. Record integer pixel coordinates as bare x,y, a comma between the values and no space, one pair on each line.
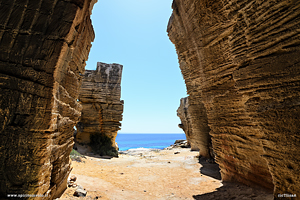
101,144
75,156
75,153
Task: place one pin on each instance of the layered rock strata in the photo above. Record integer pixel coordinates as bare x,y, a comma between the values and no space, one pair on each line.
100,95
195,126
43,48
241,59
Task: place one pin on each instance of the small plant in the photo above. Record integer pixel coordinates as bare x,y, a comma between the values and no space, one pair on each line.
75,156
102,145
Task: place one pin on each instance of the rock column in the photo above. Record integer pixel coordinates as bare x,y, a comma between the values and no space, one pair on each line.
100,95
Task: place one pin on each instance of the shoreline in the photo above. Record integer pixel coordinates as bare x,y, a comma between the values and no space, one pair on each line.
141,140
177,144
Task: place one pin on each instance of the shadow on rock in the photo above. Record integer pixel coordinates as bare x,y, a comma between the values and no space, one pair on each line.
230,191
210,168
85,150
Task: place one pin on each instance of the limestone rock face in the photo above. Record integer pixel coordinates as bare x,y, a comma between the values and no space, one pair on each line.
195,126
100,95
43,48
241,60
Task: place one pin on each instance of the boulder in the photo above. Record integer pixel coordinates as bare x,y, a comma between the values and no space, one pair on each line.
80,192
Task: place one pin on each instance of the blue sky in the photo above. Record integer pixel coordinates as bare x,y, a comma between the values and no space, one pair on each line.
133,33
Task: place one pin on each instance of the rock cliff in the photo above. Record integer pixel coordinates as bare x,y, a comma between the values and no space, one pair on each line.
43,48
100,95
241,60
195,126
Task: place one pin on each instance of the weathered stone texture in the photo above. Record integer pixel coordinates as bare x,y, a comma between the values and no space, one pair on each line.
100,95
43,48
241,59
194,123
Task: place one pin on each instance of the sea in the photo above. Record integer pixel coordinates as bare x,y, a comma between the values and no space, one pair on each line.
152,141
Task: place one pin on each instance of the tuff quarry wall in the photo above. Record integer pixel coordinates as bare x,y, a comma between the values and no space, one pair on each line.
43,48
100,95
195,126
241,59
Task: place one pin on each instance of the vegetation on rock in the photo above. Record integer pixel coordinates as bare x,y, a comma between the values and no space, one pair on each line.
76,156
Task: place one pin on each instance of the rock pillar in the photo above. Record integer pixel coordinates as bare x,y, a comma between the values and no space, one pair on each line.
100,95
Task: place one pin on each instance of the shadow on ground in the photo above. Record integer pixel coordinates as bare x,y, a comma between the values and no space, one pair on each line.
210,169
229,191
233,191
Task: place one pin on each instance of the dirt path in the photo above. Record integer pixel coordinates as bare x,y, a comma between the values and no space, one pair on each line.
167,174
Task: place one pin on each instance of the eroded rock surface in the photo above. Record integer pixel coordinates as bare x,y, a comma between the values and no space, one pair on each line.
195,126
241,59
100,95
43,49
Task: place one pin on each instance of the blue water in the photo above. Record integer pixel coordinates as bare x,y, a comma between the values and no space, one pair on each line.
156,141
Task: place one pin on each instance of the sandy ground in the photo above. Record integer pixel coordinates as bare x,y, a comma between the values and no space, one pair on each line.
162,175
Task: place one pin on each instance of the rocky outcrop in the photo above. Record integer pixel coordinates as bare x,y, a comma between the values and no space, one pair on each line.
195,126
185,118
43,49
100,95
241,60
